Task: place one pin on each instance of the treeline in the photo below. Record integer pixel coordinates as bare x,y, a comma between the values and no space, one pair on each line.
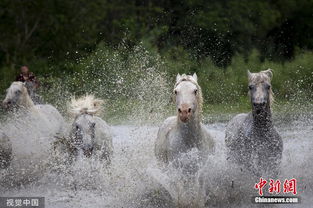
54,31
218,39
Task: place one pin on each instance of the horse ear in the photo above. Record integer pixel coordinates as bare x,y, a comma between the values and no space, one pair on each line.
195,77
249,74
178,77
269,73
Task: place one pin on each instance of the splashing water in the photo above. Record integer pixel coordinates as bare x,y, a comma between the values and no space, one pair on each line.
132,82
135,180
138,93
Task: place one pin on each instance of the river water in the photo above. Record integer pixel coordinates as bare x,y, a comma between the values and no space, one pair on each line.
134,178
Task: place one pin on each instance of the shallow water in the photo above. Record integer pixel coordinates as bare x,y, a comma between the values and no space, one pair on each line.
135,180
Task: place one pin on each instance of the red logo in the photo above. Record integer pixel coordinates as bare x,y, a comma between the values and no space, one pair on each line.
260,186
290,186
274,186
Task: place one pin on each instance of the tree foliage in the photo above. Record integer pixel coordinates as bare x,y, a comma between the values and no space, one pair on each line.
55,30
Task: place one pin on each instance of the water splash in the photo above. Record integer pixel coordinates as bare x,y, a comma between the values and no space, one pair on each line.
132,81
135,180
138,91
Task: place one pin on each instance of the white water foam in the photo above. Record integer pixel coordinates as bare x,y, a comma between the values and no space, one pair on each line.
135,180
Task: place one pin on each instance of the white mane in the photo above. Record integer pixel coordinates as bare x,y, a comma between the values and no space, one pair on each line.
185,77
87,104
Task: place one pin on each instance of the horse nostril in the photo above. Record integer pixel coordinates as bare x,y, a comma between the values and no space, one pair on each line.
6,104
179,110
189,110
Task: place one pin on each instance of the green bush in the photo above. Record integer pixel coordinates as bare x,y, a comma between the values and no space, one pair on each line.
138,80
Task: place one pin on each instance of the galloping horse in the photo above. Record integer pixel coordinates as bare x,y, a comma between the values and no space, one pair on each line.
31,130
90,135
251,139
18,98
181,133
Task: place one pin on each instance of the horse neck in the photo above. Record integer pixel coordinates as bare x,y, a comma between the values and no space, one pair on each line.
263,120
26,101
191,130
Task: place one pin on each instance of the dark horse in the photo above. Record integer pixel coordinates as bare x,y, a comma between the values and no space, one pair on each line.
251,139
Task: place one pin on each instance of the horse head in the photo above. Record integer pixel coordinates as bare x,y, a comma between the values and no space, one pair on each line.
84,125
83,133
188,97
260,90
17,96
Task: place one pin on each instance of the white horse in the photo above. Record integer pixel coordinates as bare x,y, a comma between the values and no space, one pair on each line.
18,98
90,135
31,128
251,139
181,133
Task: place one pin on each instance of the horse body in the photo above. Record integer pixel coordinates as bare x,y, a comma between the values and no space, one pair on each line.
31,128
251,139
175,138
55,121
179,134
17,98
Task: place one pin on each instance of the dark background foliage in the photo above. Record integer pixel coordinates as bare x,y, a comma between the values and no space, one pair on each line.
56,30
219,39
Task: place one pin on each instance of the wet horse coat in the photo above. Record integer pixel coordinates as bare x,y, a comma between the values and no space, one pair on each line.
251,139
31,130
18,99
90,135
180,134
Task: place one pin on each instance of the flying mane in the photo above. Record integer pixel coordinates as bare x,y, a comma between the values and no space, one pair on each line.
87,104
190,78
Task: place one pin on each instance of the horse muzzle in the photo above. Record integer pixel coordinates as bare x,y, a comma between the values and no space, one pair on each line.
5,104
259,107
8,105
87,150
185,114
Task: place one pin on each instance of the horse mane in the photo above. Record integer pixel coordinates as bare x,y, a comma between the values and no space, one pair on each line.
87,104
199,96
265,75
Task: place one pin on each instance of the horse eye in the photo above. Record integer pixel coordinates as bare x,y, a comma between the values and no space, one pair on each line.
175,91
251,87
